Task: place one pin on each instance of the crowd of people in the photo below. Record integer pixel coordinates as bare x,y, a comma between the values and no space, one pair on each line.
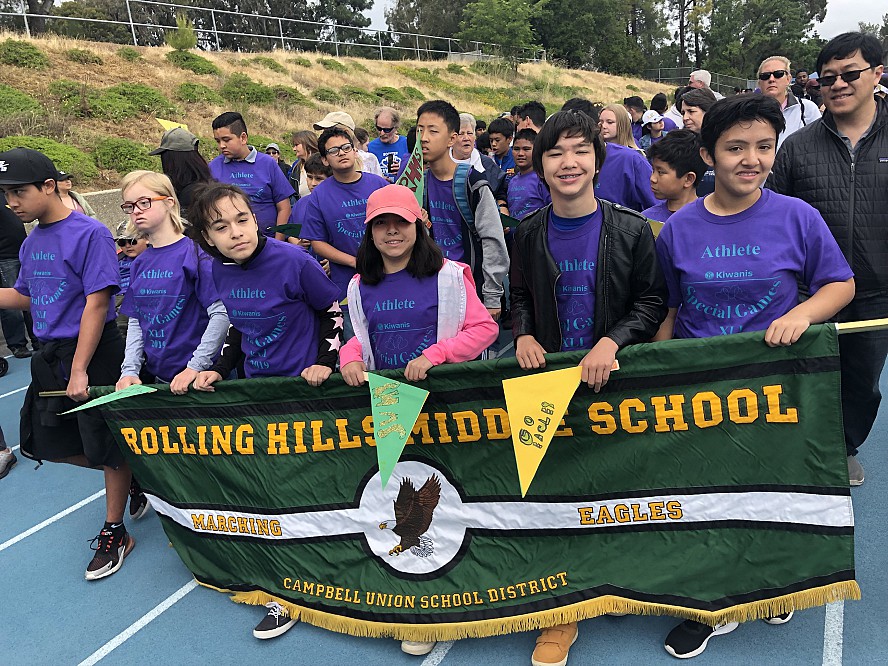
771,211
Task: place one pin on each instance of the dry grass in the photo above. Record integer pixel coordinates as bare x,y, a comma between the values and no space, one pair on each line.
276,121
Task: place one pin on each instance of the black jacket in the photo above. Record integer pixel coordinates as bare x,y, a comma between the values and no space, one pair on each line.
630,291
814,165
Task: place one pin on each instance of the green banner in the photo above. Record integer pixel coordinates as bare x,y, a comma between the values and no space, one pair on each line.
707,480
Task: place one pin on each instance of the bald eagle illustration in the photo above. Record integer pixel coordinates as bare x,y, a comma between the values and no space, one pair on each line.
413,515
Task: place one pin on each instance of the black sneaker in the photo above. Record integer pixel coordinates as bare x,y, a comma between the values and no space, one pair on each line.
690,638
7,462
275,623
110,552
783,618
20,352
138,505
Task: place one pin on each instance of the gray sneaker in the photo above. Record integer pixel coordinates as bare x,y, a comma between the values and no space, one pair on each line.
7,462
855,471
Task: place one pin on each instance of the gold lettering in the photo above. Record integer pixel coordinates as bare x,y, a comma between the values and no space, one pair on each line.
752,408
774,414
497,423
467,427
673,413
600,415
673,508
699,402
277,439
243,439
344,441
187,448
167,446
132,439
386,399
317,444
221,439
626,418
149,441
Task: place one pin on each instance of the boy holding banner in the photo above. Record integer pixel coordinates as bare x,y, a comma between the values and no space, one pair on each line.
733,261
584,276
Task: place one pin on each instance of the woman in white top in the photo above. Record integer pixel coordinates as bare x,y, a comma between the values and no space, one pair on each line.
774,81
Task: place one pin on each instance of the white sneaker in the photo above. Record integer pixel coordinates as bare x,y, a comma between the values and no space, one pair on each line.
417,648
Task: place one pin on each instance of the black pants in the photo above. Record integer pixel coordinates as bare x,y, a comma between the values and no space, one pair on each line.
862,358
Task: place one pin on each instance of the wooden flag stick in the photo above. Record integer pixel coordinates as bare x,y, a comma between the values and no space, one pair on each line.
860,326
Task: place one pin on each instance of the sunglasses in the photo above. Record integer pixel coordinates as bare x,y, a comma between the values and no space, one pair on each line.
123,242
777,74
345,149
142,204
385,130
847,77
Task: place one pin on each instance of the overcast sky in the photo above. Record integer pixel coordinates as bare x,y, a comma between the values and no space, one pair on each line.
841,15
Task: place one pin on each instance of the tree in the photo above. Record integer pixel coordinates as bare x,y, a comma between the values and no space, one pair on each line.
183,37
880,32
503,22
106,10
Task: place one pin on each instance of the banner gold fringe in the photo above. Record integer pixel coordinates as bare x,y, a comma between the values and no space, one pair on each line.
582,611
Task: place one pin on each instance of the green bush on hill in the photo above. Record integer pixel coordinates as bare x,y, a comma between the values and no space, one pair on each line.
192,62
269,63
241,89
198,92
392,95
22,54
413,93
332,65
357,94
289,95
84,57
129,54
123,156
15,101
454,68
144,99
302,62
358,67
326,95
65,157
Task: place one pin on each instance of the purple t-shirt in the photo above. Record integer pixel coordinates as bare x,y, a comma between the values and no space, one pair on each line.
526,195
62,263
625,178
573,243
734,273
446,220
170,290
124,266
660,212
335,213
273,301
402,317
261,178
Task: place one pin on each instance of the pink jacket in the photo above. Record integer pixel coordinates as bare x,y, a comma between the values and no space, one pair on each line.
465,328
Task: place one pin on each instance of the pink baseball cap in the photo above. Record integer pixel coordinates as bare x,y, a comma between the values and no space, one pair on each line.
395,199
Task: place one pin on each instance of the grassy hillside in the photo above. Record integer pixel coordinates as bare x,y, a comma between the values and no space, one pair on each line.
92,106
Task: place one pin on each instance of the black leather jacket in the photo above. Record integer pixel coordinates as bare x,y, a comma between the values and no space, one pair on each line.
630,291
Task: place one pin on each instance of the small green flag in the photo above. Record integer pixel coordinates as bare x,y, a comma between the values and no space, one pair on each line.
288,229
396,406
128,392
413,175
508,222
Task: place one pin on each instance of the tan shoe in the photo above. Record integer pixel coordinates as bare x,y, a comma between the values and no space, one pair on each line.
553,645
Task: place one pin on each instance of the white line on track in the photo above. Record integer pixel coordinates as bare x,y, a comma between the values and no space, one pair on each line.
833,626
436,656
18,390
49,521
139,624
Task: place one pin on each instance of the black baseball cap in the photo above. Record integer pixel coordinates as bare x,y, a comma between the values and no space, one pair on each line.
20,166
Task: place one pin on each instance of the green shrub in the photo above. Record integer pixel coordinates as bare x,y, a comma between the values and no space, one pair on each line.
413,93
192,62
241,89
289,95
144,99
22,54
123,156
629,86
454,68
269,63
183,37
302,62
129,54
428,77
332,65
15,101
198,92
326,95
65,157
358,94
358,66
390,95
84,57
497,68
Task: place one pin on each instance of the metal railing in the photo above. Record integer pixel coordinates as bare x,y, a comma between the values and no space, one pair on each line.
218,29
678,76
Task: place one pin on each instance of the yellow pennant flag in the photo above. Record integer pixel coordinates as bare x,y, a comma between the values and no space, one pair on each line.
169,124
536,405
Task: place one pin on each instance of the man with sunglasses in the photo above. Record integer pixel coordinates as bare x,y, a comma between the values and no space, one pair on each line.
839,164
774,81
389,147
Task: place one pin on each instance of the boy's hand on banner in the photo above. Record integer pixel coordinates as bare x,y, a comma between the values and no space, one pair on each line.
786,330
205,380
126,381
529,352
179,385
316,374
598,363
353,373
78,386
417,369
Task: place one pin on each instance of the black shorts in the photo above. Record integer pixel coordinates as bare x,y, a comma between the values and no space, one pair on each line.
85,432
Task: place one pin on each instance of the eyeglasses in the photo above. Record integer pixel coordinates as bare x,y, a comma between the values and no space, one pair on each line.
123,242
385,130
847,77
777,74
345,149
142,204
272,152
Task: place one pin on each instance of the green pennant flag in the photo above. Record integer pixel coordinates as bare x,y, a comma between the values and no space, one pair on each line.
413,175
288,229
508,222
128,392
395,408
